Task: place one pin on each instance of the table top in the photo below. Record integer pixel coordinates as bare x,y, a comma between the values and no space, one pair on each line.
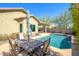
29,46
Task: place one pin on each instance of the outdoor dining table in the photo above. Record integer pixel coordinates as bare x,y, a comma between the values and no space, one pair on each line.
29,46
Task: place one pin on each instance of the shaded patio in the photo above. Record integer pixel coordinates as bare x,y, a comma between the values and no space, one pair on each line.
43,26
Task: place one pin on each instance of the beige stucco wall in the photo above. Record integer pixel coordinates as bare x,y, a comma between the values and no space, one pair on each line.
7,23
24,26
33,21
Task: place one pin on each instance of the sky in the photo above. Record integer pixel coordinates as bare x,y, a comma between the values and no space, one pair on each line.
40,9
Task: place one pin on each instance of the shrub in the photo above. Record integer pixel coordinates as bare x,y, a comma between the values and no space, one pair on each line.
75,16
0,37
13,35
3,37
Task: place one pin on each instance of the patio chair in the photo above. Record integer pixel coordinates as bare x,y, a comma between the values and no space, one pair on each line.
13,49
21,36
43,51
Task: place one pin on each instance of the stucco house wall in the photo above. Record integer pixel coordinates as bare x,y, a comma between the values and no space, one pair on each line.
34,21
10,20
8,24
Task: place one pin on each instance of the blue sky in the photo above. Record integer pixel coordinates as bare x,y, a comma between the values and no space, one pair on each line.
39,9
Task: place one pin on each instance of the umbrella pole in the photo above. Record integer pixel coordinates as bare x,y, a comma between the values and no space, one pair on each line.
28,25
28,37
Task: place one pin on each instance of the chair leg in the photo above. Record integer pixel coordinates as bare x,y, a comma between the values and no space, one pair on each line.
20,51
31,53
12,53
44,54
48,50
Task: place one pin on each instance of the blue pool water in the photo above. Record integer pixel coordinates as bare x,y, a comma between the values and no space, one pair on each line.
58,41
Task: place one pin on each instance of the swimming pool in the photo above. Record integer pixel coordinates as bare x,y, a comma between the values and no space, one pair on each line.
58,41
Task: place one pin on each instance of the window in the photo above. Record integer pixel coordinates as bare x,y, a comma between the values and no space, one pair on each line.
32,26
20,27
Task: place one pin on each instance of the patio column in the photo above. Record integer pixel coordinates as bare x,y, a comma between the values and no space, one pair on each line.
45,28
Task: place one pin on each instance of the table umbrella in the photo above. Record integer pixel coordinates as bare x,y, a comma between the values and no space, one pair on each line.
29,32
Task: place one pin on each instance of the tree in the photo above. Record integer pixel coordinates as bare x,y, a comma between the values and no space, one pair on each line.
64,20
75,16
47,19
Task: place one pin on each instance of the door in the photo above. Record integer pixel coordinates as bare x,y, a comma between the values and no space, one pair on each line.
21,27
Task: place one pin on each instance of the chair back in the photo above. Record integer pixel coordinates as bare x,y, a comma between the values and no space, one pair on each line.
20,36
46,45
12,51
11,45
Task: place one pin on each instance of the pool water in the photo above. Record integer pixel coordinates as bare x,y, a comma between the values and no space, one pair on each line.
58,41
